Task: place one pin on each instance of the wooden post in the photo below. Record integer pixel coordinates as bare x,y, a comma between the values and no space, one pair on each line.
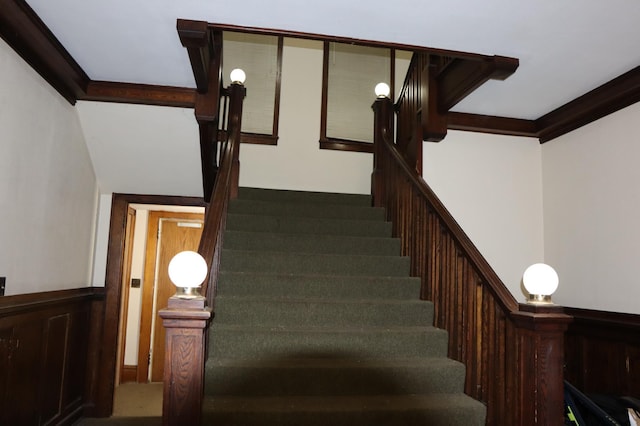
237,92
185,321
382,128
540,354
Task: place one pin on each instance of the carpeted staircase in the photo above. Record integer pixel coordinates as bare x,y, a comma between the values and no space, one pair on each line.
318,322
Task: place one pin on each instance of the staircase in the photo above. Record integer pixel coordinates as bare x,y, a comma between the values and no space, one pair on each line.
318,322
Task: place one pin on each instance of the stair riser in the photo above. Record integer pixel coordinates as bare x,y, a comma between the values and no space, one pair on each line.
303,197
296,225
267,262
257,381
273,313
370,416
241,206
249,343
320,244
338,287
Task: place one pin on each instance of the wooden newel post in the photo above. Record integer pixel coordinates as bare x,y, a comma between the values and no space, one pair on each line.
185,322
383,128
540,364
237,92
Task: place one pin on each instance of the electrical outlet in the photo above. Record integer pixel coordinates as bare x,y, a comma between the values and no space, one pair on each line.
3,281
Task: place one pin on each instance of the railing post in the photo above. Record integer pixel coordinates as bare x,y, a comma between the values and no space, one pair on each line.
540,355
383,127
185,322
237,92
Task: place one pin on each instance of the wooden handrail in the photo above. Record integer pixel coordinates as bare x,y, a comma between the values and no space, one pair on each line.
513,353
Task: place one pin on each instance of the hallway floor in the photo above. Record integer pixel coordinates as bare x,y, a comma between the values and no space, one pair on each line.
134,405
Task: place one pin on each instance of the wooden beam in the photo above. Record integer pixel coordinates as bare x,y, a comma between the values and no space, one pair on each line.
145,94
25,32
194,35
491,124
434,119
462,76
618,93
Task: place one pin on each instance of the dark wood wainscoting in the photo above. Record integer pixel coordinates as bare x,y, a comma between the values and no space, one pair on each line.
47,356
602,352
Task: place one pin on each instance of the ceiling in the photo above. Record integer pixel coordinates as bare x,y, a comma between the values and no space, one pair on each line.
566,48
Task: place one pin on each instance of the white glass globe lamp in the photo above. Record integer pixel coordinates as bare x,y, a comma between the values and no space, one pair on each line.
541,281
187,271
382,90
238,76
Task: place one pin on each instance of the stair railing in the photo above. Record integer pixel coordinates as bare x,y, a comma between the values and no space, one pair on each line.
513,352
186,320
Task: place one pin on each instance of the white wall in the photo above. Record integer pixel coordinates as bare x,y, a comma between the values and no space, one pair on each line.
492,186
48,194
297,162
592,211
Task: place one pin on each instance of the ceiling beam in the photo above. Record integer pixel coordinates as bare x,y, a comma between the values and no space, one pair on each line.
461,76
491,124
618,93
194,35
25,32
107,91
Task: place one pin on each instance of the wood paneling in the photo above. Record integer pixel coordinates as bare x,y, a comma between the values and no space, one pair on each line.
603,352
45,348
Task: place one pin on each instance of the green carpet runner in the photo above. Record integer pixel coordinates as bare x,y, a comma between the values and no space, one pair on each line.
317,322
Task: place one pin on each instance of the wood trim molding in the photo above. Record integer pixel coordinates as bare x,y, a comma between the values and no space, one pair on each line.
345,145
491,124
618,93
25,32
106,369
109,91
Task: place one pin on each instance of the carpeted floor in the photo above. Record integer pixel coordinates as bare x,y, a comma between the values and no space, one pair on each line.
134,405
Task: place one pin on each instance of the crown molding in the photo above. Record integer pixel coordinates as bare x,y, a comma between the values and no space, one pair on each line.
25,32
613,96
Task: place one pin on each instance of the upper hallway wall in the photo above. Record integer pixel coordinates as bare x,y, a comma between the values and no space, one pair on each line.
592,210
492,185
48,190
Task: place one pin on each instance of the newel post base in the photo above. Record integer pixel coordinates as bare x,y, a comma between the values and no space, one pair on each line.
540,364
185,322
383,128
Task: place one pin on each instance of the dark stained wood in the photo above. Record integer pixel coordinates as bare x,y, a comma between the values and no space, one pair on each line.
432,114
603,352
25,32
185,322
462,76
106,369
45,340
338,144
618,93
195,36
491,124
145,94
513,353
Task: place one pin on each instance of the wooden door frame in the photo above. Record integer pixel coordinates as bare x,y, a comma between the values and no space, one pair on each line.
102,381
124,374
146,317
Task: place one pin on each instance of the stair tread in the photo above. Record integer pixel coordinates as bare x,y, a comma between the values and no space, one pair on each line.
320,300
331,329
304,196
306,209
339,403
335,362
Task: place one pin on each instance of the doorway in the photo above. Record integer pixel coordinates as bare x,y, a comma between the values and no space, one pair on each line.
101,391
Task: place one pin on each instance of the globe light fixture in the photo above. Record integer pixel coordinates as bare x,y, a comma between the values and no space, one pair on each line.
382,90
187,271
541,281
238,76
